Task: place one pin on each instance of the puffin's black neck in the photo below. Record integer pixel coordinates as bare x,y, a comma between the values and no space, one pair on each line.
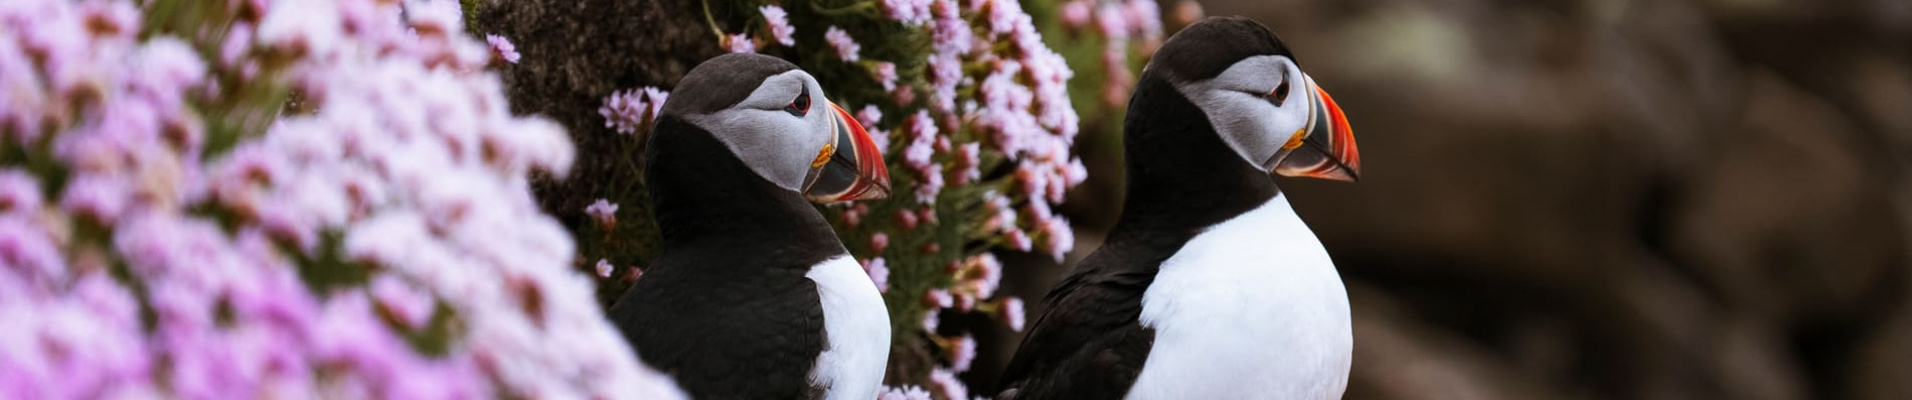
706,199
1181,176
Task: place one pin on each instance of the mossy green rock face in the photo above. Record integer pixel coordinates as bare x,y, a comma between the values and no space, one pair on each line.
574,54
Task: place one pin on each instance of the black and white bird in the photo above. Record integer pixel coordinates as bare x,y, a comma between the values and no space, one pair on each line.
1209,286
752,296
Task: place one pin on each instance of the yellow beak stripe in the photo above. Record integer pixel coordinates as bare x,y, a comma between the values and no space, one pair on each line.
823,156
1295,140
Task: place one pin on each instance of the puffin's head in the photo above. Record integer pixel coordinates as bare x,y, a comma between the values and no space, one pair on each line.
1258,99
773,117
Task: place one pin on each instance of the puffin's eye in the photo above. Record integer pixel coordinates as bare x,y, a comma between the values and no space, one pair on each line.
800,106
1280,94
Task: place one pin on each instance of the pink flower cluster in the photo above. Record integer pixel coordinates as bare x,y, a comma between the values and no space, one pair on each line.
632,111
604,212
909,12
992,96
846,47
1020,107
1118,22
375,239
777,22
502,49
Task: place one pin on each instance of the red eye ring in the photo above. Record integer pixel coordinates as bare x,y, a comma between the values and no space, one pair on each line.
1280,94
800,105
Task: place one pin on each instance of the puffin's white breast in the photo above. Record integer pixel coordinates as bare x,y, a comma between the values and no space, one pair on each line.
857,328
1250,309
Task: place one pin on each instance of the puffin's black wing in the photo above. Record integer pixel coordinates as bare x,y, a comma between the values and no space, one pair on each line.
1088,344
726,336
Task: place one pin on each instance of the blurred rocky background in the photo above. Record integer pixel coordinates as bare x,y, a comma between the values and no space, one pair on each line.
1604,199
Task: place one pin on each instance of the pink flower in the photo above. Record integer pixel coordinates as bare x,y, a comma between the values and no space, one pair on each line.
884,72
400,149
302,27
951,34
31,251
928,214
907,219
632,111
1003,216
604,268
1004,15
982,274
911,392
1112,21
939,298
968,163
101,198
502,49
1011,312
410,306
932,319
909,12
1057,238
879,273
946,380
739,43
869,115
778,22
1075,173
1017,240
1032,179
931,184
965,302
878,242
604,212
846,47
961,352
945,72
854,215
1075,13
19,192
922,133
1145,17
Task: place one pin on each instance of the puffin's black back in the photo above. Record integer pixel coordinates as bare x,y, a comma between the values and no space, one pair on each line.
1182,178
726,308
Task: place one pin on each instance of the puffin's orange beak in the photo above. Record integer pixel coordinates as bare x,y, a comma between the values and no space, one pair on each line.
1325,149
851,167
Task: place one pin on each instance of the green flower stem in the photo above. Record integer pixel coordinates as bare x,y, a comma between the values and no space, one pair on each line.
854,8
712,21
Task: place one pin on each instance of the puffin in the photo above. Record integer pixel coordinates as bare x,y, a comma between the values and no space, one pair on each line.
1209,286
752,296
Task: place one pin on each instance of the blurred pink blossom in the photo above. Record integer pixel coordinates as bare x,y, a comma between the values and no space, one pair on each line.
939,298
911,392
739,43
879,273
632,111
909,12
846,48
604,268
604,212
1011,312
399,186
502,49
1075,13
952,388
961,352
878,242
885,74
778,22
